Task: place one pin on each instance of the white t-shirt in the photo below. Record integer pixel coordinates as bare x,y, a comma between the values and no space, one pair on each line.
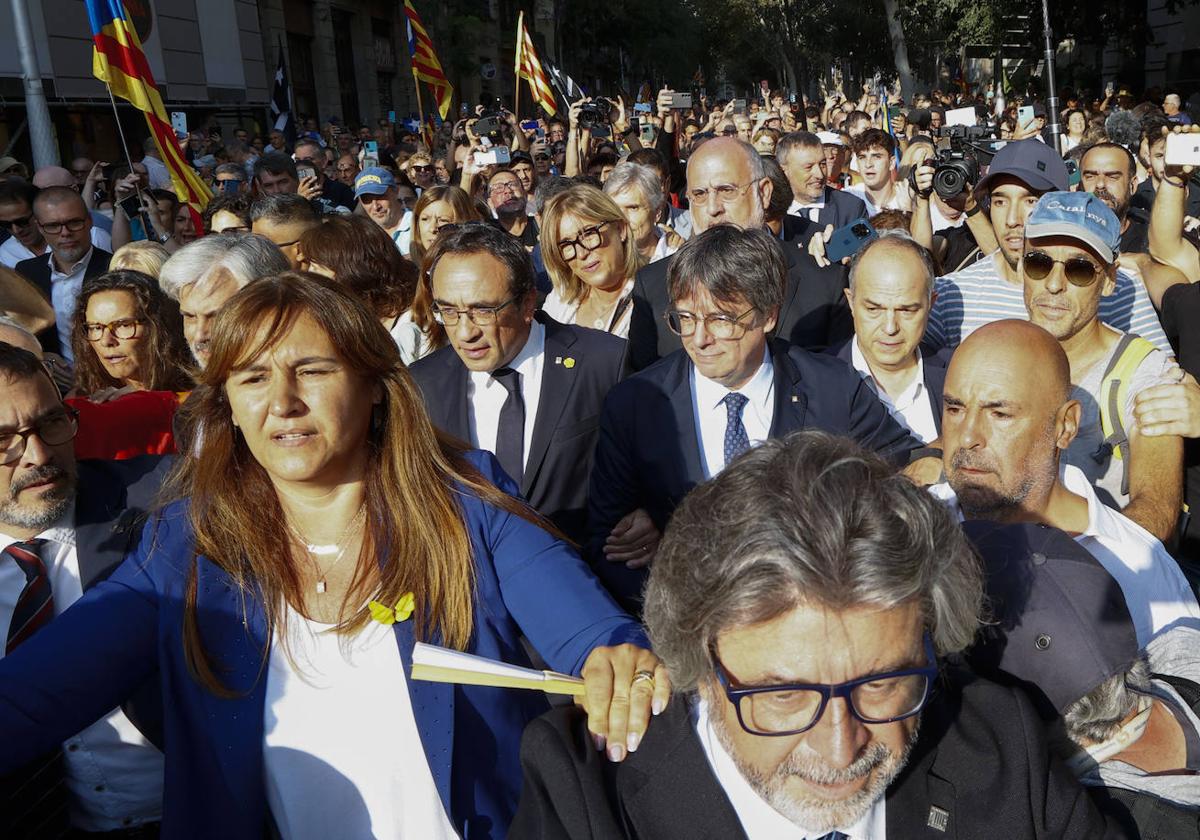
341,751
898,201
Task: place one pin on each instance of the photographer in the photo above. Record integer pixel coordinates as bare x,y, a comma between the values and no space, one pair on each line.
953,247
326,194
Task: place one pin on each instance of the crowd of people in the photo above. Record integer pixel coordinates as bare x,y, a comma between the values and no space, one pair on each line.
844,451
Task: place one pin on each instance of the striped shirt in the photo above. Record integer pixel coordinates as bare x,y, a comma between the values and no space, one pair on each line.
979,294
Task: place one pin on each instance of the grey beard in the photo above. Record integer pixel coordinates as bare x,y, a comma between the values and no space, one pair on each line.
814,814
40,518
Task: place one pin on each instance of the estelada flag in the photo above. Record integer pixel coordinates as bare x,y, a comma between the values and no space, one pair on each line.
118,61
425,64
530,69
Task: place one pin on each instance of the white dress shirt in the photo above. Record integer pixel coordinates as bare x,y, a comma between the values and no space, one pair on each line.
1156,592
64,294
114,775
910,408
758,818
486,396
13,252
805,210
342,754
711,416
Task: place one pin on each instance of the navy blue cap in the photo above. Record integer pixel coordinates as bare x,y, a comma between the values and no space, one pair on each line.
1035,163
1062,626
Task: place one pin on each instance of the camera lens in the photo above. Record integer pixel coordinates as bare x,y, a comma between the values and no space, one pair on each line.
860,231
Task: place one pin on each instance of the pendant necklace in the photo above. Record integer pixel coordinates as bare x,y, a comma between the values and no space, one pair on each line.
315,549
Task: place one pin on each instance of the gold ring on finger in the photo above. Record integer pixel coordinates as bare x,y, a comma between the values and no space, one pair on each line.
643,676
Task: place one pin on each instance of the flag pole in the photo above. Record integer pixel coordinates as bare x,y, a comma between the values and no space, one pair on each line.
517,66
120,130
420,108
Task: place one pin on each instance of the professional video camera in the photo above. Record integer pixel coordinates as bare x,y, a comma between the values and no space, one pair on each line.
490,124
957,157
594,113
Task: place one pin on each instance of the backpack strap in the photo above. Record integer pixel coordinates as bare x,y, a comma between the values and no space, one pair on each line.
1189,690
1131,351
1154,818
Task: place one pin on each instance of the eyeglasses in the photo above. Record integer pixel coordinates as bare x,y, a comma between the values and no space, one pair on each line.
480,316
589,239
1079,271
718,325
124,328
777,710
725,193
54,430
72,225
9,224
504,187
421,169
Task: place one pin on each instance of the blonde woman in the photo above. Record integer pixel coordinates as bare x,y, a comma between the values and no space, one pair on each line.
144,256
591,256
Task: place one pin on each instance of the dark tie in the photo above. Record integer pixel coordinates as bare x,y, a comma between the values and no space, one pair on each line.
833,835
510,431
33,799
736,439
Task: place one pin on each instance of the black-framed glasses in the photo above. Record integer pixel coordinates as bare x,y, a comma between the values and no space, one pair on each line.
725,193
124,328
53,430
480,316
716,324
9,224
1079,271
55,228
589,239
504,187
778,710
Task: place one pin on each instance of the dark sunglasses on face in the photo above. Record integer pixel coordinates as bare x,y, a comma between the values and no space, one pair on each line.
1079,271
9,224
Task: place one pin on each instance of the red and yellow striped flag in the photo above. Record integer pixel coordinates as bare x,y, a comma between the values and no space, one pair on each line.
425,64
530,69
118,61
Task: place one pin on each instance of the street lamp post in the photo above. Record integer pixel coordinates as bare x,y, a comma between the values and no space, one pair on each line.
1052,99
41,134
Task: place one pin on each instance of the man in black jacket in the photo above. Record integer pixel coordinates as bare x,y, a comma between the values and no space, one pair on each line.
522,385
727,184
802,602
680,421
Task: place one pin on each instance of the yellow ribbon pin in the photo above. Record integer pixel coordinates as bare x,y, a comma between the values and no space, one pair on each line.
389,615
568,363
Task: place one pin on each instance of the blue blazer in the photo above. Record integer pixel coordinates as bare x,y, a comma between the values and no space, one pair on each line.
94,655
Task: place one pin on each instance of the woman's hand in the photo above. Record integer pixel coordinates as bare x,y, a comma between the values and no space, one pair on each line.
625,686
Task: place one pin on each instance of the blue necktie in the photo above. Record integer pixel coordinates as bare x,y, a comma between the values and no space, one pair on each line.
736,439
834,835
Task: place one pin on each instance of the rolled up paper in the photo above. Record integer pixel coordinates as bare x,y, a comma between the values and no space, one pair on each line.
437,664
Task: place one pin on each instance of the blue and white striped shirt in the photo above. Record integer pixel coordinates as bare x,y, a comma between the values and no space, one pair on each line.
980,294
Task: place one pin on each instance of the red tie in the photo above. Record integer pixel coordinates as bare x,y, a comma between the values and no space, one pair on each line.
35,605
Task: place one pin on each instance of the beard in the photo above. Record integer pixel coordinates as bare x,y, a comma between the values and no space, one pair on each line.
1120,208
47,510
984,502
814,813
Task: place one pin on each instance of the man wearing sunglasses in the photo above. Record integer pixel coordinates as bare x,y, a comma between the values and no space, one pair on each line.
64,222
803,602
64,526
990,289
1072,242
682,420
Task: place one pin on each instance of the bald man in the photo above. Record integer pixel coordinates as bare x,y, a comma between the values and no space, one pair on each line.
65,223
727,184
1008,418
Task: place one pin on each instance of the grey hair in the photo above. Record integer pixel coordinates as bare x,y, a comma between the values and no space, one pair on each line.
230,169
902,240
549,187
282,208
795,140
642,178
1096,717
730,262
807,519
242,256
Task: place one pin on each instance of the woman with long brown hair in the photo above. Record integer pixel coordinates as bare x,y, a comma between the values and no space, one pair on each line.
437,207
322,527
127,334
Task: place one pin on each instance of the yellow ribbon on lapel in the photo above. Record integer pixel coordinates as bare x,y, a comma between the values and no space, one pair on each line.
390,615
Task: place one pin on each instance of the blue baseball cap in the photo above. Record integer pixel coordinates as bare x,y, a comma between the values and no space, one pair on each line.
1035,163
1080,216
374,180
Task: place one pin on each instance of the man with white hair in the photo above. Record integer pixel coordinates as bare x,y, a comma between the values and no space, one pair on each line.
1172,107
203,275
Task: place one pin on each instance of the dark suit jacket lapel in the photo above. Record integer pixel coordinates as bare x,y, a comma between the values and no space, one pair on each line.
791,403
558,382
101,528
935,384
450,409
921,803
791,287
433,709
677,389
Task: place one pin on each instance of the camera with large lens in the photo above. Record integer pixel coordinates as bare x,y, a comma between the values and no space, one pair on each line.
488,125
594,113
956,170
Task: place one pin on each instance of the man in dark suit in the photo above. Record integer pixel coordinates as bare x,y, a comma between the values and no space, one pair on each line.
802,157
727,184
677,423
64,221
802,603
890,295
65,526
543,425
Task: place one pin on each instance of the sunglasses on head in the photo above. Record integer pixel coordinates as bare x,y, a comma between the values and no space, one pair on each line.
1079,271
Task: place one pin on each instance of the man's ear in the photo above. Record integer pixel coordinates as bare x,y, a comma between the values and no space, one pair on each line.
1066,423
765,190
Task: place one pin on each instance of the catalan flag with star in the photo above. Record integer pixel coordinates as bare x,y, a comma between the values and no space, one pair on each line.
530,69
118,61
426,66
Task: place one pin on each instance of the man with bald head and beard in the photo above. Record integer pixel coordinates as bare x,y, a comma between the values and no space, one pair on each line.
727,184
1008,418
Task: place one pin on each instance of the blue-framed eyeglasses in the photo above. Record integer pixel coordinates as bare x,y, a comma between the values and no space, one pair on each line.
776,710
